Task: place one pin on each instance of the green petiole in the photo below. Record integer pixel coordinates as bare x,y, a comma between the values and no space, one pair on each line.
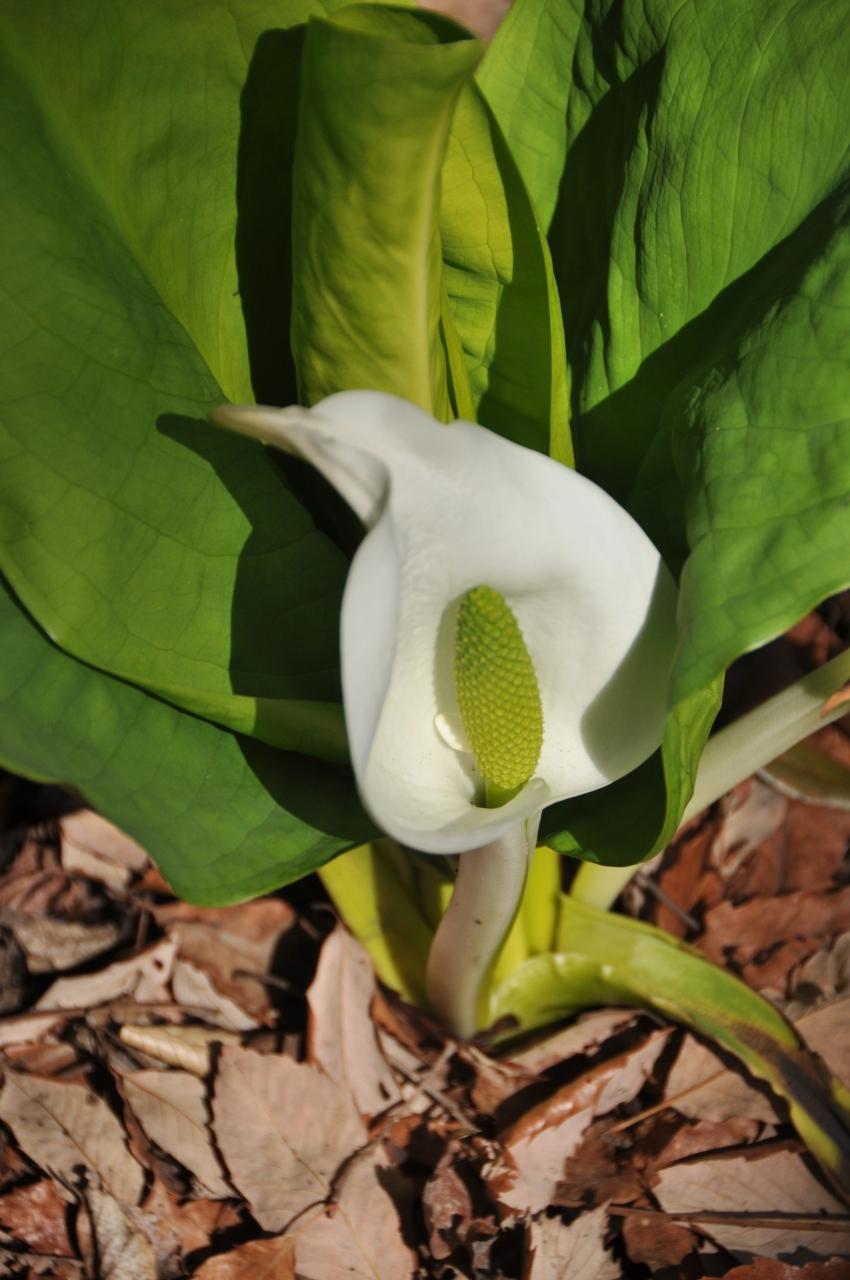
733,754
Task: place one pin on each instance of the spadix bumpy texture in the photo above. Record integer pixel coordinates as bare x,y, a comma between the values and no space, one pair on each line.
497,691
449,510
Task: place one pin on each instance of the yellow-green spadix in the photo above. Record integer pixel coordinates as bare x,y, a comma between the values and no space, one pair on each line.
451,511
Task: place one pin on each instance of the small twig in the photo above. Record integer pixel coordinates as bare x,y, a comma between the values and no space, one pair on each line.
709,1217
664,1105
34,1259
142,927
652,886
267,979
310,929
106,1006
422,1085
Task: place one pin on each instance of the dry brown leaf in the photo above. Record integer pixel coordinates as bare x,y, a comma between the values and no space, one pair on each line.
410,1068
35,882
187,1047
496,1079
154,1223
98,849
79,862
822,978
685,881
257,1260
158,1228
341,1036
144,977
196,990
771,1269
359,1236
657,1241
575,1251
283,1130
776,1183
150,1157
35,1216
13,1163
817,636
406,1025
701,1087
526,1175
746,930
805,853
816,844
584,1035
228,943
28,1027
57,944
596,1172
826,1030
179,1226
447,1205
122,1250
171,1107
61,1126
11,1262
768,971
13,971
752,814
699,1137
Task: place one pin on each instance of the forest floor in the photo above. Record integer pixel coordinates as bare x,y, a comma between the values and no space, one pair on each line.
227,1094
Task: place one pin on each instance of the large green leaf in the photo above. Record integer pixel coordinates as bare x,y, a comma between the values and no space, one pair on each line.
525,79
379,90
694,232
501,289
225,817
143,541
421,267
701,249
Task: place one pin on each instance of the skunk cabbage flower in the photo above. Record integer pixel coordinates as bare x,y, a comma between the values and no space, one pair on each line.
506,629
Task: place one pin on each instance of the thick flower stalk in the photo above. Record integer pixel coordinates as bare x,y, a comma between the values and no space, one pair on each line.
506,636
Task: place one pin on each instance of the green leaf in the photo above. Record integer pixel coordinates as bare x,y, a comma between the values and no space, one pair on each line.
379,908
379,88
525,78
399,156
763,435
143,541
501,288
604,958
225,817
701,249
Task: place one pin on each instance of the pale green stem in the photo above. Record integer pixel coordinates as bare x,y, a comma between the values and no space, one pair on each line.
485,900
731,755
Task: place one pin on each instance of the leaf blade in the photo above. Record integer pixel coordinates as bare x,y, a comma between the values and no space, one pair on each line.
210,807
704,290
378,92
139,537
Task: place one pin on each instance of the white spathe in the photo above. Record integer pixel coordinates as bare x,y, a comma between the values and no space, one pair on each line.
448,508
